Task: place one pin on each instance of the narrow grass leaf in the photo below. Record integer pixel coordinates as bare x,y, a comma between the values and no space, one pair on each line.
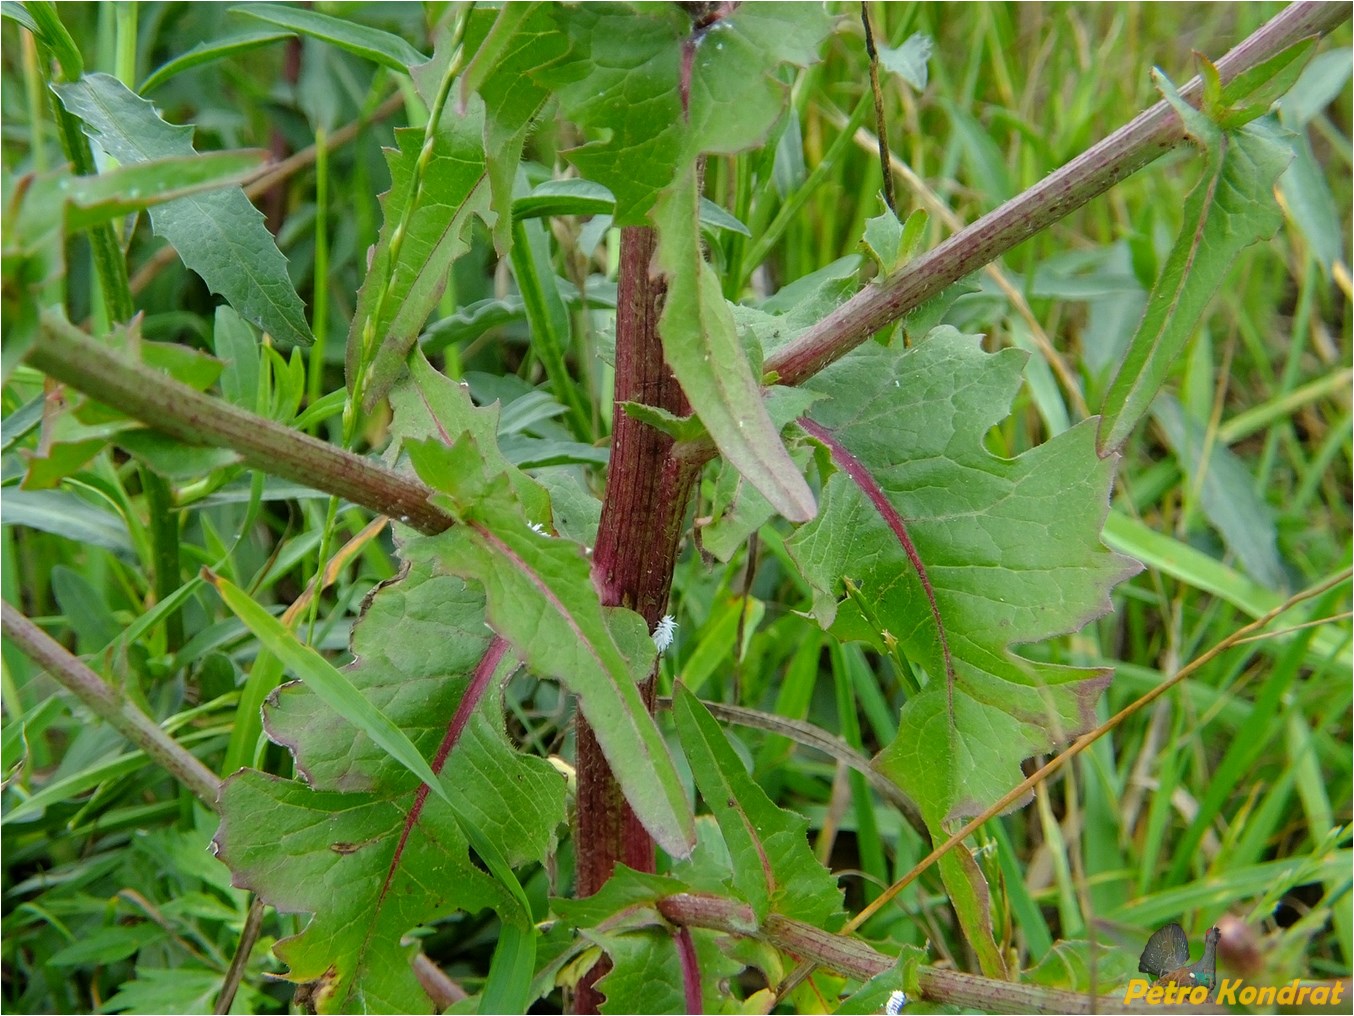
370,43
209,52
66,514
143,185
548,317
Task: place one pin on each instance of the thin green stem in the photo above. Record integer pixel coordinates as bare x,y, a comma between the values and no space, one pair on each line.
319,298
164,538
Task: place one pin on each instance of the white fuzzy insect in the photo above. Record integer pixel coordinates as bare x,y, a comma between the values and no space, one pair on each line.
663,631
894,1005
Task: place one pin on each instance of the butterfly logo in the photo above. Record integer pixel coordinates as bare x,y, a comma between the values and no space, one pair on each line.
1166,958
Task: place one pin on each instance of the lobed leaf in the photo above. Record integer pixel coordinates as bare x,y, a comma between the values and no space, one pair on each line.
217,234
540,592
509,46
321,677
424,659
627,67
541,599
1010,548
958,556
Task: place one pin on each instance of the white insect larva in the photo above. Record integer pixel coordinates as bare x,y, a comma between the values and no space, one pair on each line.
663,631
894,1005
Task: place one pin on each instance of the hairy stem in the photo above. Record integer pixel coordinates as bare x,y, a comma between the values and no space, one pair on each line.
632,564
1130,148
69,355
109,705
861,961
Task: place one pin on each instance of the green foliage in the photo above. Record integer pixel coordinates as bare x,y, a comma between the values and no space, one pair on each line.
1230,208
924,555
217,234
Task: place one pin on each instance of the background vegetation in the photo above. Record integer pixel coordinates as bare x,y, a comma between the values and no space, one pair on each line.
1227,801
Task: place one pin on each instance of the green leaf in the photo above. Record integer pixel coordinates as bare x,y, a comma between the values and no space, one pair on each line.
717,218
1181,561
292,845
774,869
335,690
541,599
645,974
237,347
521,39
961,555
680,428
173,459
179,989
564,197
220,234
620,79
406,278
701,345
909,60
106,945
430,404
1262,84
548,317
883,240
370,43
144,185
1311,205
1316,88
65,514
1231,208
540,593
209,52
583,197
872,996
421,648
55,37
623,919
